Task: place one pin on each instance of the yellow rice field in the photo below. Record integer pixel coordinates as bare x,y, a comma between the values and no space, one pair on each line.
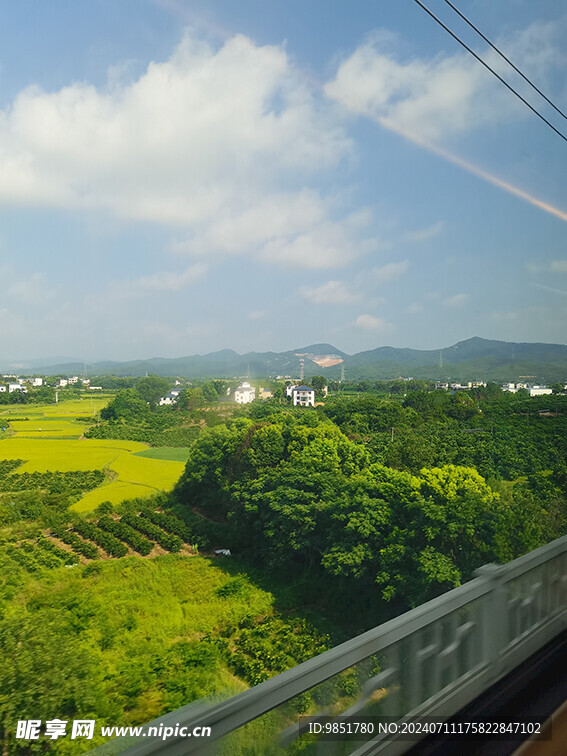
50,439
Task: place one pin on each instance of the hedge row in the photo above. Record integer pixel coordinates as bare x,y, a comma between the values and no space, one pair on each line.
127,534
51,548
177,437
166,540
105,540
169,523
72,540
71,482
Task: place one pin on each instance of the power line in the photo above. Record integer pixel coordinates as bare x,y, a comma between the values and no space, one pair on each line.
492,71
494,47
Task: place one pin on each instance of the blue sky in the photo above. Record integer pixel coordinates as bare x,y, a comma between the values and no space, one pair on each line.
178,177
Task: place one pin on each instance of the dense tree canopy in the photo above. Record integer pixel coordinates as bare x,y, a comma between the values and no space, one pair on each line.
152,388
306,497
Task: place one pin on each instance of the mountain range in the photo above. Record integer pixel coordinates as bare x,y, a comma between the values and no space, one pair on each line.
472,359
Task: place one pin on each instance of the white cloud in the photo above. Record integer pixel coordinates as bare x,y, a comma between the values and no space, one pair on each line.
372,323
558,266
441,96
160,282
385,273
32,289
332,292
415,308
425,234
458,300
257,315
220,144
326,245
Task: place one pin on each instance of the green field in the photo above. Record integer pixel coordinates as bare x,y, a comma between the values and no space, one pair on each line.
173,453
50,438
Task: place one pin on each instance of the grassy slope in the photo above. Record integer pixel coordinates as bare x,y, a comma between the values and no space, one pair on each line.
128,613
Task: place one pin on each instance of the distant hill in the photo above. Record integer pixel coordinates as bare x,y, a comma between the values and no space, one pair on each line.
472,359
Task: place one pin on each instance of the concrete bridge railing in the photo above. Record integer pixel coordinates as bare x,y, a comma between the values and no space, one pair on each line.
430,661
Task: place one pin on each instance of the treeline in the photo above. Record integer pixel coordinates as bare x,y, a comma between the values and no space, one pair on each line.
134,414
42,395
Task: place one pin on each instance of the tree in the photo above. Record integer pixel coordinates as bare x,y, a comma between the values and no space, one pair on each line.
209,392
318,382
220,386
126,405
152,388
190,398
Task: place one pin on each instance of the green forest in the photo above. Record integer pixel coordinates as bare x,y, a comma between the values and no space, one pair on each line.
338,517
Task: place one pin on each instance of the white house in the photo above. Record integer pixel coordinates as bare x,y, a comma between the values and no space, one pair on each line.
2,389
62,382
17,387
170,398
303,396
245,393
289,389
37,382
540,391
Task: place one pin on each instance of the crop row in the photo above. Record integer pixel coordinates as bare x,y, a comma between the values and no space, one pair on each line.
105,540
48,547
127,534
23,558
72,540
71,482
45,554
166,540
169,523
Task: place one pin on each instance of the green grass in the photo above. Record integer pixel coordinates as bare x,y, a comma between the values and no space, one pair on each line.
123,640
172,453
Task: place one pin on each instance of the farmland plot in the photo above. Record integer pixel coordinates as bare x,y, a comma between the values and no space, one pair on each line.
49,438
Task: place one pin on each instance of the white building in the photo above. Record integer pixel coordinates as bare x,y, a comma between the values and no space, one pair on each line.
17,387
2,389
289,389
540,391
245,393
170,398
62,382
37,382
303,396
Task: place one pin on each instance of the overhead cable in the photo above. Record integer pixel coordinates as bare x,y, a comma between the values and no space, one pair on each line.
494,47
492,71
